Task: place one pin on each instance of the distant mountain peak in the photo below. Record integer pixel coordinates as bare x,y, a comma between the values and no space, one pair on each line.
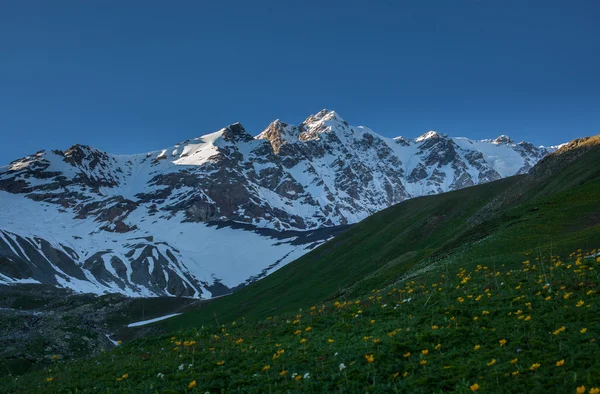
323,116
236,133
278,133
503,139
401,141
428,136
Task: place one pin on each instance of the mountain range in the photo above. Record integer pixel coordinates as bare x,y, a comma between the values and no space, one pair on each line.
217,212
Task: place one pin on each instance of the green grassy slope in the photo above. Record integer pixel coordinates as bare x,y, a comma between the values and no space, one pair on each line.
530,329
555,209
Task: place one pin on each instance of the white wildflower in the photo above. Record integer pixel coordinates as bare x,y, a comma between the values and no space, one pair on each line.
342,366
181,367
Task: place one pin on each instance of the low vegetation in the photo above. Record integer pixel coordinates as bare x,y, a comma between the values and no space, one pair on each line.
533,328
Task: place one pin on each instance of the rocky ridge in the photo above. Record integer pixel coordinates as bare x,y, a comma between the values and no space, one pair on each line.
221,210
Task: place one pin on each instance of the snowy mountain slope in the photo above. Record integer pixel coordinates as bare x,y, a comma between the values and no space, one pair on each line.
211,213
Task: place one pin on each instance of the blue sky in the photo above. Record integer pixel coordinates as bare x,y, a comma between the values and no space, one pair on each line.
129,77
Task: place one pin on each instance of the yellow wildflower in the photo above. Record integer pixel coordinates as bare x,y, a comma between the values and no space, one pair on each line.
583,330
407,354
580,303
434,327
580,390
49,379
594,390
220,362
422,362
514,360
476,347
439,345
307,329
303,340
534,366
558,331
283,373
376,340
369,358
474,387
330,340
560,363
425,352
266,367
192,385
491,362
460,299
502,342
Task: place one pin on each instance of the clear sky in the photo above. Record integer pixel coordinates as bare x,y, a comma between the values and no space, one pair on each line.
133,76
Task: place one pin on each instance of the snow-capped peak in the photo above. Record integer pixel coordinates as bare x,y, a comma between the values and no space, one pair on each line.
323,116
236,133
503,139
429,135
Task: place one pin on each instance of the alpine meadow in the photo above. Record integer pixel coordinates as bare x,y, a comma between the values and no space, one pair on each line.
339,196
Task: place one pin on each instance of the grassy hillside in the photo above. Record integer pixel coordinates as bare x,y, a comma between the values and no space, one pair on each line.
532,329
492,289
